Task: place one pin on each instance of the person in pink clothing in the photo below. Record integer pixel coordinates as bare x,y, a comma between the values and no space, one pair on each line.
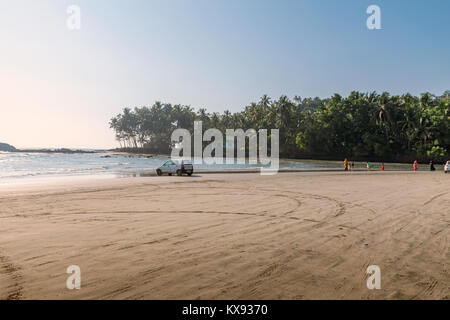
416,165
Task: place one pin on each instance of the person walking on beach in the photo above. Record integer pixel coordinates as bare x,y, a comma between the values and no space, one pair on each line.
382,166
432,168
345,164
353,166
416,165
369,166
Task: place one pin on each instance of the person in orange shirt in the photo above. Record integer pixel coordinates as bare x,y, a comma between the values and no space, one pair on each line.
382,166
416,165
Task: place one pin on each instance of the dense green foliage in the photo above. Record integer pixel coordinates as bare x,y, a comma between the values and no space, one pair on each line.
361,126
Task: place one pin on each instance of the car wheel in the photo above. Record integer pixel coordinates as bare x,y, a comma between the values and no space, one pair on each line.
179,173
170,174
159,172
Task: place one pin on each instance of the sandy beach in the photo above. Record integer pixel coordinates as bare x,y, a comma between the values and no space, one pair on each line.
229,236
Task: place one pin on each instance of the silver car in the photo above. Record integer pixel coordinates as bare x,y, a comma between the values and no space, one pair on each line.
176,167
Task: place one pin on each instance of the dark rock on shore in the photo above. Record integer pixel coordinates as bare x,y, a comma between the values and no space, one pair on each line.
7,147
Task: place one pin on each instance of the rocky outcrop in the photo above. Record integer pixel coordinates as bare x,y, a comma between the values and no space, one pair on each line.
7,147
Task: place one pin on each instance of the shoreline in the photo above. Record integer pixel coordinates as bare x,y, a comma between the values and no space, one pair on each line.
118,165
157,155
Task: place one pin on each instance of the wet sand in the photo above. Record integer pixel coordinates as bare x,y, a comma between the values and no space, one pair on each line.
219,236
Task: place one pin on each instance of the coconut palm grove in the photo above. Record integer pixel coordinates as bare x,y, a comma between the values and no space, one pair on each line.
362,126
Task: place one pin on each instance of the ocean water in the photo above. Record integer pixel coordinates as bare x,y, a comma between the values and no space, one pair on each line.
22,165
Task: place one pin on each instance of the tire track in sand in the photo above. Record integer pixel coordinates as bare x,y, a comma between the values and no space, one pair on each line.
12,273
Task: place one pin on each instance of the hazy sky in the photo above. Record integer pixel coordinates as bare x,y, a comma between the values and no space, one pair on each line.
59,88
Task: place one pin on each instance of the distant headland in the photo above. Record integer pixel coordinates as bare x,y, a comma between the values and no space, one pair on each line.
7,147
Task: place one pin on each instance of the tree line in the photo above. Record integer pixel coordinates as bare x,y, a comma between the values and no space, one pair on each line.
362,126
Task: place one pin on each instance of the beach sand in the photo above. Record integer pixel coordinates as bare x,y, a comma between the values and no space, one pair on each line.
229,236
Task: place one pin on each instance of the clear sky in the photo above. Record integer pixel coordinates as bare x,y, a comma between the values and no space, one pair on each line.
59,88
